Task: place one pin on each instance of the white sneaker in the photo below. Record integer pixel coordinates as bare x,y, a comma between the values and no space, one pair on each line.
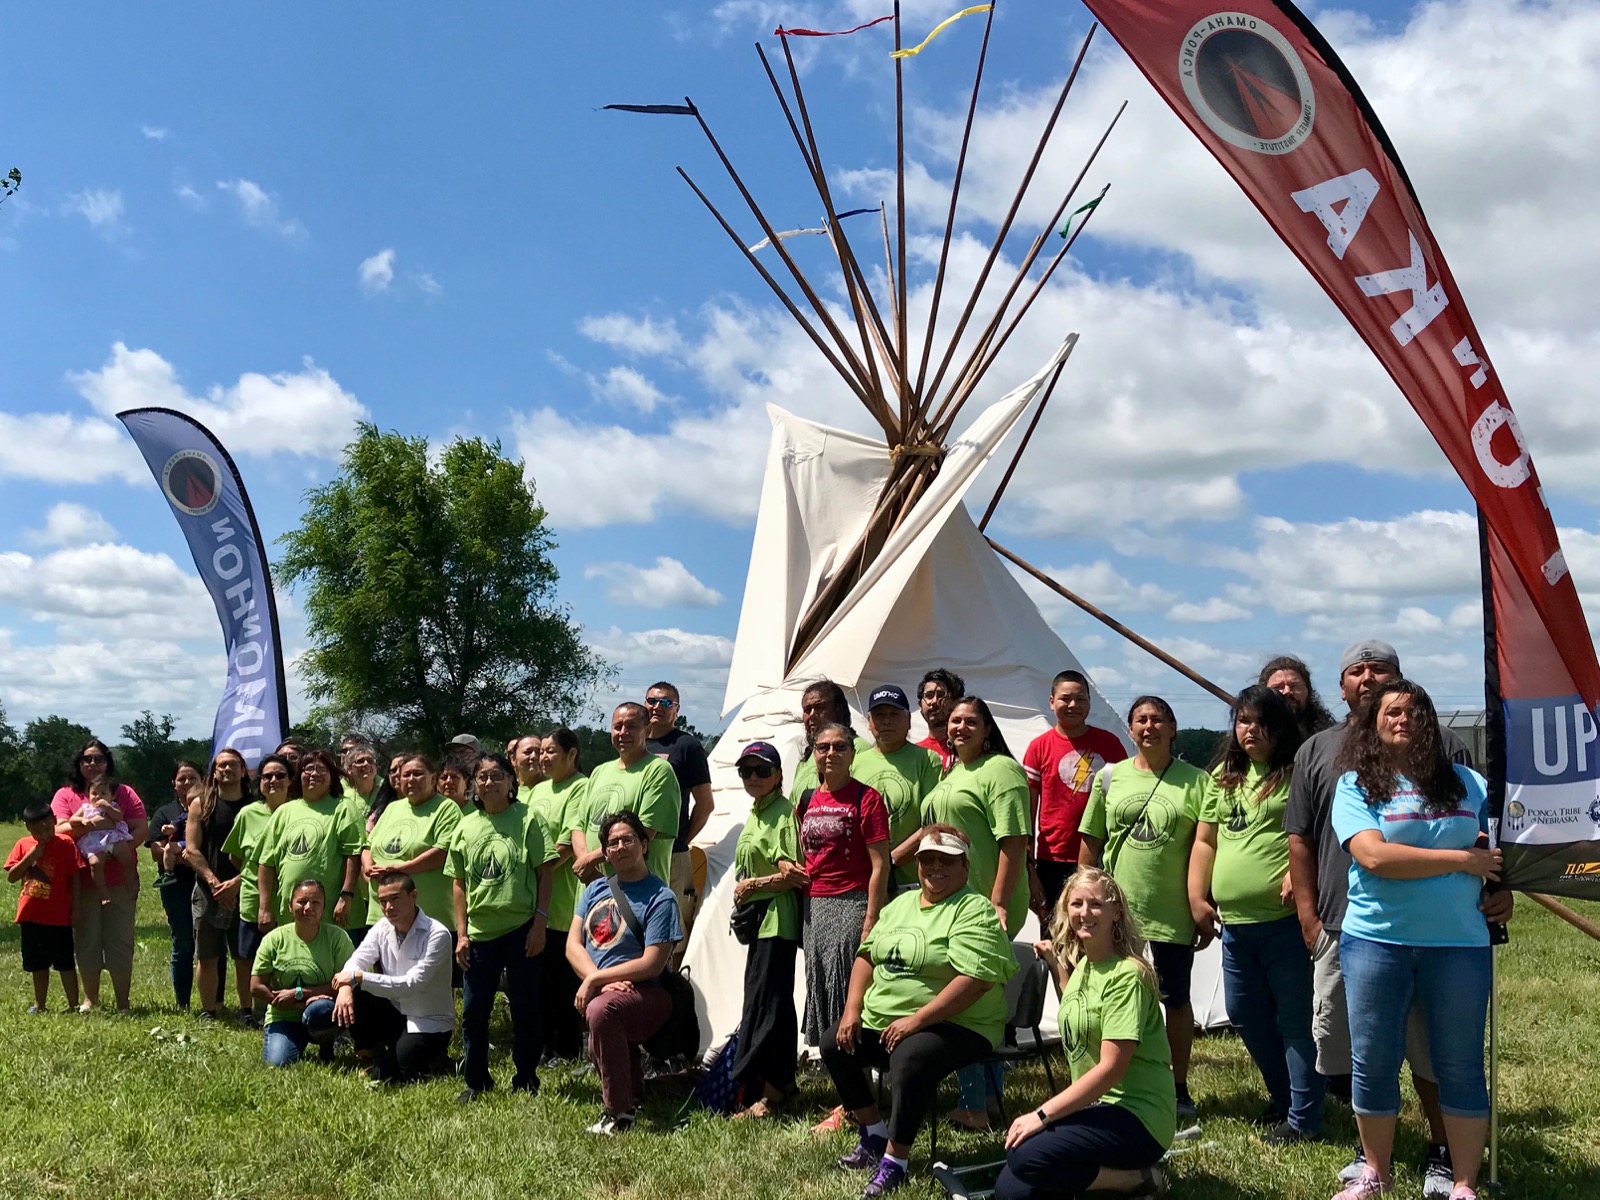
1352,1170
611,1124
36,1010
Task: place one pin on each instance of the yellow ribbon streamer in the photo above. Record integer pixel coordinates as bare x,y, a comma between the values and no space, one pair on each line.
938,29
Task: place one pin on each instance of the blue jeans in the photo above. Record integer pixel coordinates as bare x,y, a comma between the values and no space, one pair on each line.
286,1041
175,900
1266,977
490,958
1451,985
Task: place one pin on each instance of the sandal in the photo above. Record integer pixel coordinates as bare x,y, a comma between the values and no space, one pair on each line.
968,1124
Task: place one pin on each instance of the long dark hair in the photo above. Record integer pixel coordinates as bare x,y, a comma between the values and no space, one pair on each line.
75,773
837,700
326,758
1315,717
211,794
994,742
1232,763
1423,762
568,741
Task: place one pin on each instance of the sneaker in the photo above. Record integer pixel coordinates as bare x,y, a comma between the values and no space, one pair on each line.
1463,1191
209,1014
1352,1169
888,1177
1269,1116
1186,1108
867,1154
611,1124
1152,1182
1285,1134
468,1095
831,1123
1438,1174
1365,1186
86,1007
248,1020
36,1010
164,878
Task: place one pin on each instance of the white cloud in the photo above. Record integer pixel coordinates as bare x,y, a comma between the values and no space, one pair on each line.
260,210
101,207
1212,611
633,335
668,584
103,582
427,284
628,388
68,524
59,448
377,273
154,133
696,663
303,412
191,198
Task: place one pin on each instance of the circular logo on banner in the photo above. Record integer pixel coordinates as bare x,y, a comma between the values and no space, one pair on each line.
192,482
1247,83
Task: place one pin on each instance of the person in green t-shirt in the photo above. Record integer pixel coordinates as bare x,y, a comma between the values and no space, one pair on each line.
413,835
902,773
1240,872
359,760
822,704
635,781
293,975
311,837
500,865
243,847
558,801
927,997
766,863
1121,1107
1139,824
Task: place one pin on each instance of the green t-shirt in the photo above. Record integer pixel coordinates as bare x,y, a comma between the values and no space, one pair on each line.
648,788
987,801
560,808
403,832
904,779
1252,850
284,961
769,834
1111,1001
805,775
1151,859
310,841
244,843
358,806
497,857
915,951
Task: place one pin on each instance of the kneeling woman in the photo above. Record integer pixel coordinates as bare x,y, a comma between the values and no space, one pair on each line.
620,941
1109,1129
926,998
293,974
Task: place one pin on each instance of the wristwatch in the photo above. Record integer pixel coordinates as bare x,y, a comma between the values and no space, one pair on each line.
347,892
1043,1119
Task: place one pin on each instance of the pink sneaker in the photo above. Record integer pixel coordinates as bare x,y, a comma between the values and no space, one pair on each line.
1365,1186
831,1123
1463,1191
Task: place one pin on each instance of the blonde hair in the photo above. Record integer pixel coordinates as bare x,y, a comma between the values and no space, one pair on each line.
1126,939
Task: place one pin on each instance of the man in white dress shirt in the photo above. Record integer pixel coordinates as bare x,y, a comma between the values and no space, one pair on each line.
394,994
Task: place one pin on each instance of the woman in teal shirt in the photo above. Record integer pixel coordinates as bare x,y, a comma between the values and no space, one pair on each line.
1109,1129
766,862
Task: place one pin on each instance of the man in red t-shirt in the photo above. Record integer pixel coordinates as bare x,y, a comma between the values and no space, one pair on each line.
1061,764
46,864
936,696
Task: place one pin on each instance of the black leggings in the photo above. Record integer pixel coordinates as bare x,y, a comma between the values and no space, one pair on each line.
769,1030
559,1018
1061,1162
380,1029
916,1065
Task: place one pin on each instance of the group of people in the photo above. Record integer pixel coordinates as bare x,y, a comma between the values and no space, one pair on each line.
1342,866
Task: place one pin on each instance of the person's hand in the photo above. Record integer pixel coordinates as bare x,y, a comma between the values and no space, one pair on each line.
794,874
284,998
1205,924
899,1030
1483,863
373,871
227,894
341,911
169,832
1036,898
344,1006
849,1031
618,985
1310,932
463,952
535,943
741,890
1286,891
585,993
1000,912
1046,950
1023,1128
264,919
1496,905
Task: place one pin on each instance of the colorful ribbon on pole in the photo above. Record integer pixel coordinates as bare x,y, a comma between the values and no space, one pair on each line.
780,31
789,233
912,51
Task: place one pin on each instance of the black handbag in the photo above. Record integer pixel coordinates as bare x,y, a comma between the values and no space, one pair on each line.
679,1037
745,921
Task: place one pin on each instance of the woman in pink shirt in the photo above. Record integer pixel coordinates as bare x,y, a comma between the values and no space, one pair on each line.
102,926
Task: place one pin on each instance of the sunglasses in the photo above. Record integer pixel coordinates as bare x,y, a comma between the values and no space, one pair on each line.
757,771
658,702
268,776
92,758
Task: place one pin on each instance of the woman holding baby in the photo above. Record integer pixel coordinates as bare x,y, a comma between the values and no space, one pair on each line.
94,803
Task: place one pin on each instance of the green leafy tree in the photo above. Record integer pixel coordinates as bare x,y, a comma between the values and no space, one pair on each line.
50,744
1197,746
430,596
147,755
14,792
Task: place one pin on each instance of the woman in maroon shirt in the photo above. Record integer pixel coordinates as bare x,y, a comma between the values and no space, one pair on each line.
844,836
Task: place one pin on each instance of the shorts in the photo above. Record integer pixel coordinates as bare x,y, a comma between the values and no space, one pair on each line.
1174,965
216,929
46,947
682,885
1330,1018
249,940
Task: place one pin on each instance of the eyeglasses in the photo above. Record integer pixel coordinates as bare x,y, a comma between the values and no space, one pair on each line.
659,702
935,694
491,776
831,748
91,758
622,843
757,771
269,776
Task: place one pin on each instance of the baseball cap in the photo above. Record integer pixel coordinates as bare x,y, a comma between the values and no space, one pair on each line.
466,739
765,751
940,842
1368,650
889,694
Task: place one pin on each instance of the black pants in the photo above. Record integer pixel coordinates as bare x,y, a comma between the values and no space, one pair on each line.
1061,1162
916,1065
1053,878
505,954
769,1030
561,1024
380,1029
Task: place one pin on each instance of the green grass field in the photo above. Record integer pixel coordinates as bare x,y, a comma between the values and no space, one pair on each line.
161,1105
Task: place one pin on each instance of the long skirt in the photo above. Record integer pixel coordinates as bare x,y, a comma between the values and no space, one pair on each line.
832,936
768,1030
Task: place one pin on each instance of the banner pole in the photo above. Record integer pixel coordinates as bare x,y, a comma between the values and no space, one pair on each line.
1494,1066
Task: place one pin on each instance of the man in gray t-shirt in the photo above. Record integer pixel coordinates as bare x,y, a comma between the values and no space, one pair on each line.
1319,870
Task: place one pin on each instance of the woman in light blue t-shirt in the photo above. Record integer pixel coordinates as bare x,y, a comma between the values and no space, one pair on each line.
1411,820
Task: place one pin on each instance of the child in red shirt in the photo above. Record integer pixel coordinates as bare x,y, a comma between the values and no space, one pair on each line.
46,864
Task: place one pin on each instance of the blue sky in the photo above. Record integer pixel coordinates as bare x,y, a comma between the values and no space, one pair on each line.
287,220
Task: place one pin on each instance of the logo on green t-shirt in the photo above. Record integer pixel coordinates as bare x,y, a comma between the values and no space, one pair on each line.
492,858
1074,1019
1152,830
394,845
904,951
1238,819
301,836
